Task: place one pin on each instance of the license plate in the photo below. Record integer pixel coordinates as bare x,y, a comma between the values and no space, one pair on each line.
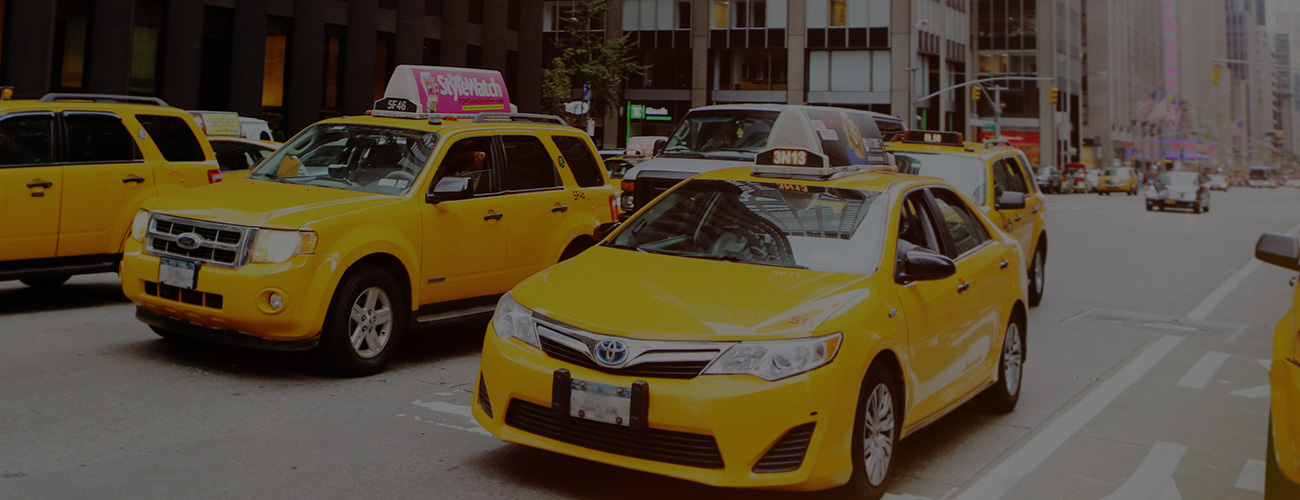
178,273
1170,202
600,402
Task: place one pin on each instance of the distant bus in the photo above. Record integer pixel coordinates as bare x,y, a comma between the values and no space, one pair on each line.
1262,177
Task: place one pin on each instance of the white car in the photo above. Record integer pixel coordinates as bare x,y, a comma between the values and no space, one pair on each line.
1219,182
1295,183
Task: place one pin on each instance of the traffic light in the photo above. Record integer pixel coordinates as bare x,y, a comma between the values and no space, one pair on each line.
1054,95
975,93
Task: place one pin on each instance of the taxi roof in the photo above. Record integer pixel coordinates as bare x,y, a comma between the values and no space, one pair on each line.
864,180
452,123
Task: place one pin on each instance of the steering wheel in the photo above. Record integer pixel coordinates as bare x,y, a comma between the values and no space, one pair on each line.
401,175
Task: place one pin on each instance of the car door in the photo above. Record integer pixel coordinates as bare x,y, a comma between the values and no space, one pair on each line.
464,241
1008,177
105,177
31,186
536,205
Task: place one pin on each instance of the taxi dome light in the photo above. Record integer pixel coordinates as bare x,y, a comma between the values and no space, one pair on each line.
932,137
782,162
424,92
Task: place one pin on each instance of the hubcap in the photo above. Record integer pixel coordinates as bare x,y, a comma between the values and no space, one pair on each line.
1038,272
371,322
1012,358
878,434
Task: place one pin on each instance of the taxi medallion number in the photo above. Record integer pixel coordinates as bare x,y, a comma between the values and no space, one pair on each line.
178,273
600,402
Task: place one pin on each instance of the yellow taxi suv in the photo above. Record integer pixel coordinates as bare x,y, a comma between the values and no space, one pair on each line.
983,172
1282,471
361,228
792,322
74,169
236,153
1118,180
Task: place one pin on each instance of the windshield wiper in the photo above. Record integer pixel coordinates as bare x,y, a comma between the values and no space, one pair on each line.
273,177
728,258
343,180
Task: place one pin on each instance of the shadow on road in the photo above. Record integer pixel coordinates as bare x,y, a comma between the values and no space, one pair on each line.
90,291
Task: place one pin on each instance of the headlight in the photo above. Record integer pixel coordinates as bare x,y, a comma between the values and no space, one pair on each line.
272,246
777,359
514,320
140,226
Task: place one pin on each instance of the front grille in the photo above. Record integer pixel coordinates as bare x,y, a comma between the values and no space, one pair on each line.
662,369
483,401
221,245
788,452
680,448
193,297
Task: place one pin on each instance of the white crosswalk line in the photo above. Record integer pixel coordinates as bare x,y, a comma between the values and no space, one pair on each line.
1259,391
1201,372
1154,478
1251,477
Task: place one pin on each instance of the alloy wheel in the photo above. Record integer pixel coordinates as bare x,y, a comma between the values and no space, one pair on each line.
878,434
371,322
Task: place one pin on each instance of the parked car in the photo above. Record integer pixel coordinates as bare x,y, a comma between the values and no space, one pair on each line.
1179,190
1219,182
1282,463
1048,179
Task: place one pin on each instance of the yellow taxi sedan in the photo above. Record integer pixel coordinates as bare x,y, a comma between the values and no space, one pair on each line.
786,327
1118,180
1282,474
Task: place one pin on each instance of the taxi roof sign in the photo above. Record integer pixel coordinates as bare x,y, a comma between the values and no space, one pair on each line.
932,137
783,162
218,123
428,91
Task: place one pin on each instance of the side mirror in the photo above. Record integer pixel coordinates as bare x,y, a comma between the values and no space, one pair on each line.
1279,250
660,144
450,188
920,265
1010,201
605,228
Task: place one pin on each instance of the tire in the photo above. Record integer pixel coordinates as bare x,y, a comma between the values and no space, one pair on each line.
878,422
1037,276
574,248
1196,209
1003,395
364,324
1149,207
46,281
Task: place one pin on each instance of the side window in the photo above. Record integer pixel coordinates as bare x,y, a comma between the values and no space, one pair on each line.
528,166
1016,172
966,231
914,228
471,158
26,140
581,159
173,136
1007,177
98,138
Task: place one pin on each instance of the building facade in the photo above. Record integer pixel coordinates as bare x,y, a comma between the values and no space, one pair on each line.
290,61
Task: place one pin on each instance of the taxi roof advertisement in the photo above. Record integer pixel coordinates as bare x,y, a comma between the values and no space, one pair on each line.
445,90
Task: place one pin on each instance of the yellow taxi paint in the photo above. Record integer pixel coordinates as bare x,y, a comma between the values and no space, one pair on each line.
1284,381
31,227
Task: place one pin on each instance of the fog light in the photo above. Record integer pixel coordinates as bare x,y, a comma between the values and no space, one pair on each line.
275,301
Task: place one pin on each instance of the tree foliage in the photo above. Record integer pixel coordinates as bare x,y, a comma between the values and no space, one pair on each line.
587,57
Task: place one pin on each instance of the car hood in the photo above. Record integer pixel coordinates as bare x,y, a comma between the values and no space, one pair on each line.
684,165
263,203
679,298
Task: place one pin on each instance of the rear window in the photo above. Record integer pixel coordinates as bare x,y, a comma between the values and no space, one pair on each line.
173,136
581,160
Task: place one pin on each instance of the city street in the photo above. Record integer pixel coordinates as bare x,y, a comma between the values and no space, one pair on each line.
1146,377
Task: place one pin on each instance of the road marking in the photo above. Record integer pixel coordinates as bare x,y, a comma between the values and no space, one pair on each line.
1259,391
891,496
1154,479
1212,300
451,408
997,482
1201,372
1252,476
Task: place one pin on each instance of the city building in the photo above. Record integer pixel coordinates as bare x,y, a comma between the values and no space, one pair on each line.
290,61
1122,68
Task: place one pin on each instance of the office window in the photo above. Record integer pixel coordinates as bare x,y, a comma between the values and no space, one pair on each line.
751,70
849,70
837,13
476,12
841,13
334,43
385,61
719,14
70,38
144,47
275,61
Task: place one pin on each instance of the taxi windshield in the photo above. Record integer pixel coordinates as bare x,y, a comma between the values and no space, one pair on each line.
787,225
966,173
365,158
723,134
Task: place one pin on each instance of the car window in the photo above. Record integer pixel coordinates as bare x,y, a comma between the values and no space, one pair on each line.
471,158
722,134
915,230
1007,178
528,166
26,139
235,155
765,223
173,136
1016,171
966,173
366,158
581,159
966,231
98,138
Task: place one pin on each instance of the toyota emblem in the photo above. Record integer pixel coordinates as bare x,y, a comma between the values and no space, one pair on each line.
189,241
611,352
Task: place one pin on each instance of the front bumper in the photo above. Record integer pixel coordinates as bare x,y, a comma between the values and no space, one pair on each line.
235,301
744,416
1114,189
1177,203
1284,381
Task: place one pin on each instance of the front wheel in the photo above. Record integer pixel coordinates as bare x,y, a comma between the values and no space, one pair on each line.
1003,395
1037,276
363,325
876,430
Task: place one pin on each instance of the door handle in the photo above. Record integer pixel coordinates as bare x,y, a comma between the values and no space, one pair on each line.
963,287
43,184
560,208
1017,219
135,179
1034,210
1003,264
495,216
